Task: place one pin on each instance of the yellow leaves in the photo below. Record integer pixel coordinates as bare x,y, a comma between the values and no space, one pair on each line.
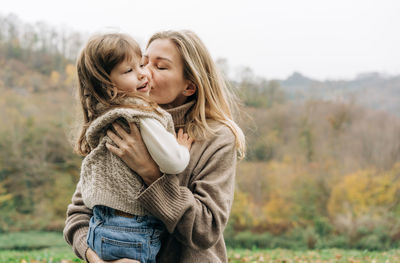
65,78
4,197
70,75
54,78
362,192
241,212
277,209
70,70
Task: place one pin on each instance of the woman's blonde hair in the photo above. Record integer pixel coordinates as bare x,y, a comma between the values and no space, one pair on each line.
98,58
214,100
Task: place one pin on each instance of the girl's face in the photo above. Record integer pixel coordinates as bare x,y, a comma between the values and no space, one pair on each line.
129,76
165,67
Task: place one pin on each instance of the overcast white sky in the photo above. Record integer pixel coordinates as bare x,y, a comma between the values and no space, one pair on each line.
319,38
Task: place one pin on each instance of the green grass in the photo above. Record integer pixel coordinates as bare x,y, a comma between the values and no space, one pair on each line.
325,256
32,240
49,247
50,255
64,255
34,246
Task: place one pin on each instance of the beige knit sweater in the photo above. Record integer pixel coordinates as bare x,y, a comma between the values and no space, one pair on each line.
194,205
105,179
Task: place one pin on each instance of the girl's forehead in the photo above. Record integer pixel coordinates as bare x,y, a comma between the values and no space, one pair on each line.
133,57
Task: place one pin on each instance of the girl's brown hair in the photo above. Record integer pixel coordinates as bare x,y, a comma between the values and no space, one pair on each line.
101,54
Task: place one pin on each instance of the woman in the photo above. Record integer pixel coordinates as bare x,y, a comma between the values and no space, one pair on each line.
195,204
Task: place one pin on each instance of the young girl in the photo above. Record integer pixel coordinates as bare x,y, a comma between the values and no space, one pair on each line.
114,87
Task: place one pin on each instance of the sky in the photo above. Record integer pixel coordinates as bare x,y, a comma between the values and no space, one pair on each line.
321,39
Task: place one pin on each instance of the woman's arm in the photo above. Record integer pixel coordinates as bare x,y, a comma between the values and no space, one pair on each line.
197,215
77,224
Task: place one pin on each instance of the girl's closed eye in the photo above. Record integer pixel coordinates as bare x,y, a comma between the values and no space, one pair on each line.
129,70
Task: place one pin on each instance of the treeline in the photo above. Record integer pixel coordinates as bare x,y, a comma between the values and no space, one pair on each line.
38,170
317,174
42,47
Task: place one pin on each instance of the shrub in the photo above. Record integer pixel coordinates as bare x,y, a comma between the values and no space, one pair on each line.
370,242
334,241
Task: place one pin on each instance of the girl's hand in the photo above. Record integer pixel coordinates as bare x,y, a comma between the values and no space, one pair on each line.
92,257
184,139
132,150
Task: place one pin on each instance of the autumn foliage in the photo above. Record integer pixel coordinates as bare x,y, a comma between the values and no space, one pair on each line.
319,173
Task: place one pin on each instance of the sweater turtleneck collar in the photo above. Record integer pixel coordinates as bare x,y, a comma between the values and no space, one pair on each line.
179,114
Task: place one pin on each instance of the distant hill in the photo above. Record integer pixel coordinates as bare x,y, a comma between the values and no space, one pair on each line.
372,90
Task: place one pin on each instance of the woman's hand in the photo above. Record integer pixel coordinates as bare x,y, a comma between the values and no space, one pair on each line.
92,257
132,150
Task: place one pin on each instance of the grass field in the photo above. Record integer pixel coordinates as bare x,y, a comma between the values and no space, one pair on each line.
35,247
315,256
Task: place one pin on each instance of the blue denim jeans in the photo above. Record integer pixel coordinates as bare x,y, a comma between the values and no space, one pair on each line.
113,237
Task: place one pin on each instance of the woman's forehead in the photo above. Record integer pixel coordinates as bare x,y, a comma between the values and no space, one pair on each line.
162,49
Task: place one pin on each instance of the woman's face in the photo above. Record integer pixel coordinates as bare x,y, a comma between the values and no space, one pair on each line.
165,67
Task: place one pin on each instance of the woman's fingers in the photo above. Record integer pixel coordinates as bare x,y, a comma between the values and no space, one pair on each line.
132,150
120,131
114,150
115,138
128,144
124,260
135,133
92,257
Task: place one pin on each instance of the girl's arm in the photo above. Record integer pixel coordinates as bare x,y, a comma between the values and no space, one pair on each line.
170,156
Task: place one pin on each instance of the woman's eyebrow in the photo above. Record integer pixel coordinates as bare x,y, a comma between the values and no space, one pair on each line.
159,58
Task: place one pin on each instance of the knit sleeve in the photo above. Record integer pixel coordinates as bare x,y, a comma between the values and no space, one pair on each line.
77,224
198,213
170,156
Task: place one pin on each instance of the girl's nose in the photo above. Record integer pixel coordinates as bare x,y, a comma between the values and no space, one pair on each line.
143,72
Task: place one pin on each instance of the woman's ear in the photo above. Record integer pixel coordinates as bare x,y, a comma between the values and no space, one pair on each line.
190,89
